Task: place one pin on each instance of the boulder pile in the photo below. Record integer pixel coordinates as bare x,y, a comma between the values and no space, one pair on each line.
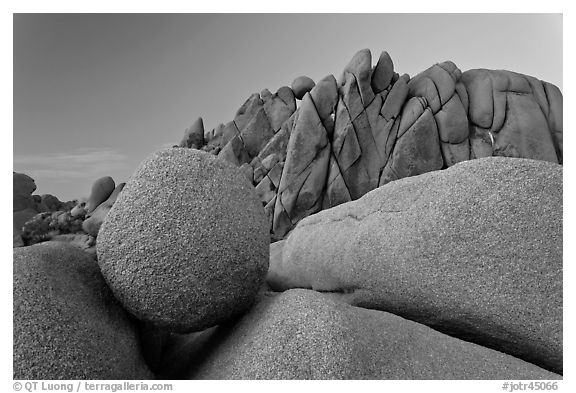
45,218
419,228
26,205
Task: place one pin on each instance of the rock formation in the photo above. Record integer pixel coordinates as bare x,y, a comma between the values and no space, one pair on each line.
374,126
26,206
45,218
416,228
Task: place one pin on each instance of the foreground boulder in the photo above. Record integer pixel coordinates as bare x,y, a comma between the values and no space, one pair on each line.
474,251
302,334
67,324
185,245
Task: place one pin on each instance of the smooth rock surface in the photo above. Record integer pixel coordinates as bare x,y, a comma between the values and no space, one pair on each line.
302,334
185,245
67,324
243,115
82,241
94,220
474,251
518,111
305,170
102,188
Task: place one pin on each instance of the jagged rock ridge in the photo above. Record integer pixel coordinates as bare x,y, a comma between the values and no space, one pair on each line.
373,126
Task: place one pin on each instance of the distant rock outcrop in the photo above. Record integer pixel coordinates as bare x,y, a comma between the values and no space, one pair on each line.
26,206
44,218
44,226
374,126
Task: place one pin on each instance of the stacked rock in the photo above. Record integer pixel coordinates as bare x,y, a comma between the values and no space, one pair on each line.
374,126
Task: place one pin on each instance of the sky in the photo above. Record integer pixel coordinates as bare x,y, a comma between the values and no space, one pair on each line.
95,94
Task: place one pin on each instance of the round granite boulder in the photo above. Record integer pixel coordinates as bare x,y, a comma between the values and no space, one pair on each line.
301,86
67,323
185,245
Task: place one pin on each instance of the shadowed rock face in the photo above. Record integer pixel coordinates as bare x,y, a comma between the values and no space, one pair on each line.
474,251
374,126
302,334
